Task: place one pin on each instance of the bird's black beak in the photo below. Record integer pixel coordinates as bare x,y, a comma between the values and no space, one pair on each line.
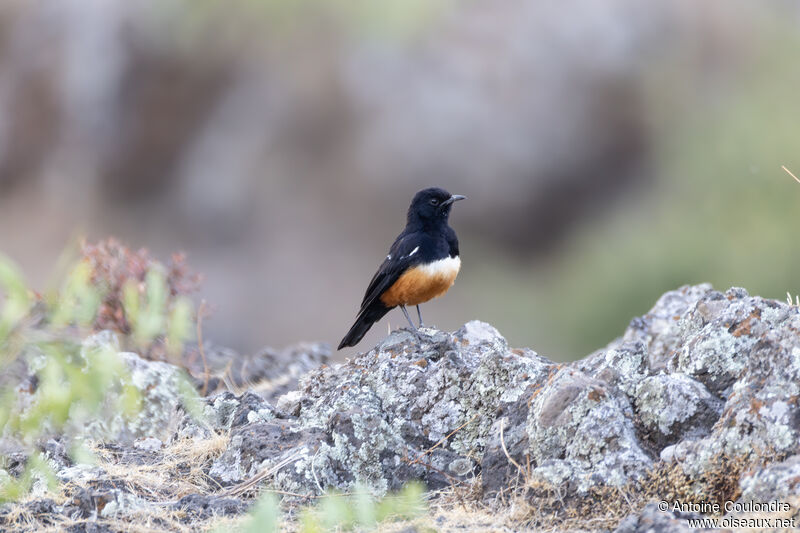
454,198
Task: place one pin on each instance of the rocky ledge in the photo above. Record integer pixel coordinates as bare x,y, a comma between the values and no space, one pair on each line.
696,402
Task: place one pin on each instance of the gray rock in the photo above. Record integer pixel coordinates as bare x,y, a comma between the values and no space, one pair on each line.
203,506
719,333
651,520
164,390
89,527
228,411
657,330
777,481
582,434
507,438
255,447
721,376
102,502
674,407
621,366
406,410
746,351
702,373
150,444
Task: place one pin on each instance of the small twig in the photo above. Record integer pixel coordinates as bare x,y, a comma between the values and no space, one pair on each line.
625,497
445,474
505,450
790,173
429,450
229,380
528,461
287,493
314,472
237,490
206,476
200,314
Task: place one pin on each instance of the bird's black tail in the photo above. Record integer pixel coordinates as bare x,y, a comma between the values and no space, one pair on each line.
364,321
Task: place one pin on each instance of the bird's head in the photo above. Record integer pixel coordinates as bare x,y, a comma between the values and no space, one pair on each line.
431,205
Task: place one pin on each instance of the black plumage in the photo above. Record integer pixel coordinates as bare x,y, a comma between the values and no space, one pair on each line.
422,263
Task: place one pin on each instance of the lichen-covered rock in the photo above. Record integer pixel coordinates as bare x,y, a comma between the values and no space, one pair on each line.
674,407
658,330
709,374
226,411
508,438
651,520
622,366
409,409
105,502
164,390
203,506
719,332
705,388
778,481
703,373
162,387
746,351
257,446
580,433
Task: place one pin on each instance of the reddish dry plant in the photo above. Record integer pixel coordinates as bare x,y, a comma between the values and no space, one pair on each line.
114,265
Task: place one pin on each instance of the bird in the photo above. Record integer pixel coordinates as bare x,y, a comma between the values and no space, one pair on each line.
422,263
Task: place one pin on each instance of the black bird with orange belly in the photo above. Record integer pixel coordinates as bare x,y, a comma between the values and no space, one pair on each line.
422,264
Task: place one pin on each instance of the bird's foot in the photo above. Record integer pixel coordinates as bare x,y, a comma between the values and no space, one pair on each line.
415,331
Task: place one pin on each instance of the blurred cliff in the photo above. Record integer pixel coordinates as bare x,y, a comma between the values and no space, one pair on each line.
610,151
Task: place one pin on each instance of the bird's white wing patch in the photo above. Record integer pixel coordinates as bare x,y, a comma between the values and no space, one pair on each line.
415,250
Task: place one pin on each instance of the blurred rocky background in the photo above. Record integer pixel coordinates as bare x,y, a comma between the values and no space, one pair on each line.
610,151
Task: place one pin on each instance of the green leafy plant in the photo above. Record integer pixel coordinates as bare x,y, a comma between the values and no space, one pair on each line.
143,299
53,382
265,516
337,511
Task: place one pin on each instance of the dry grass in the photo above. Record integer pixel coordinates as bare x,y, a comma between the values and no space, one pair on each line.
537,506
527,505
179,470
530,505
150,522
719,484
160,478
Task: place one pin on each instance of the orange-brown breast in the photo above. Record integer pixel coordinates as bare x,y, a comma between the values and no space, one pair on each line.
422,283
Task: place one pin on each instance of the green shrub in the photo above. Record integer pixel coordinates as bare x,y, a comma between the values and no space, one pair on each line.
109,288
336,511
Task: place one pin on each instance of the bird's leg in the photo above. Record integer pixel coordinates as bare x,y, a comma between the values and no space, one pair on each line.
405,312
419,314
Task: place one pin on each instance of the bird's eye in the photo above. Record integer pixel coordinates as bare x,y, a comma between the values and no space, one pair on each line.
434,201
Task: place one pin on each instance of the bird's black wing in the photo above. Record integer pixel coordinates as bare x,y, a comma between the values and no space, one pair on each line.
405,253
402,256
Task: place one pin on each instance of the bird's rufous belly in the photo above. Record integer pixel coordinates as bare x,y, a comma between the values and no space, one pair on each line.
423,282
